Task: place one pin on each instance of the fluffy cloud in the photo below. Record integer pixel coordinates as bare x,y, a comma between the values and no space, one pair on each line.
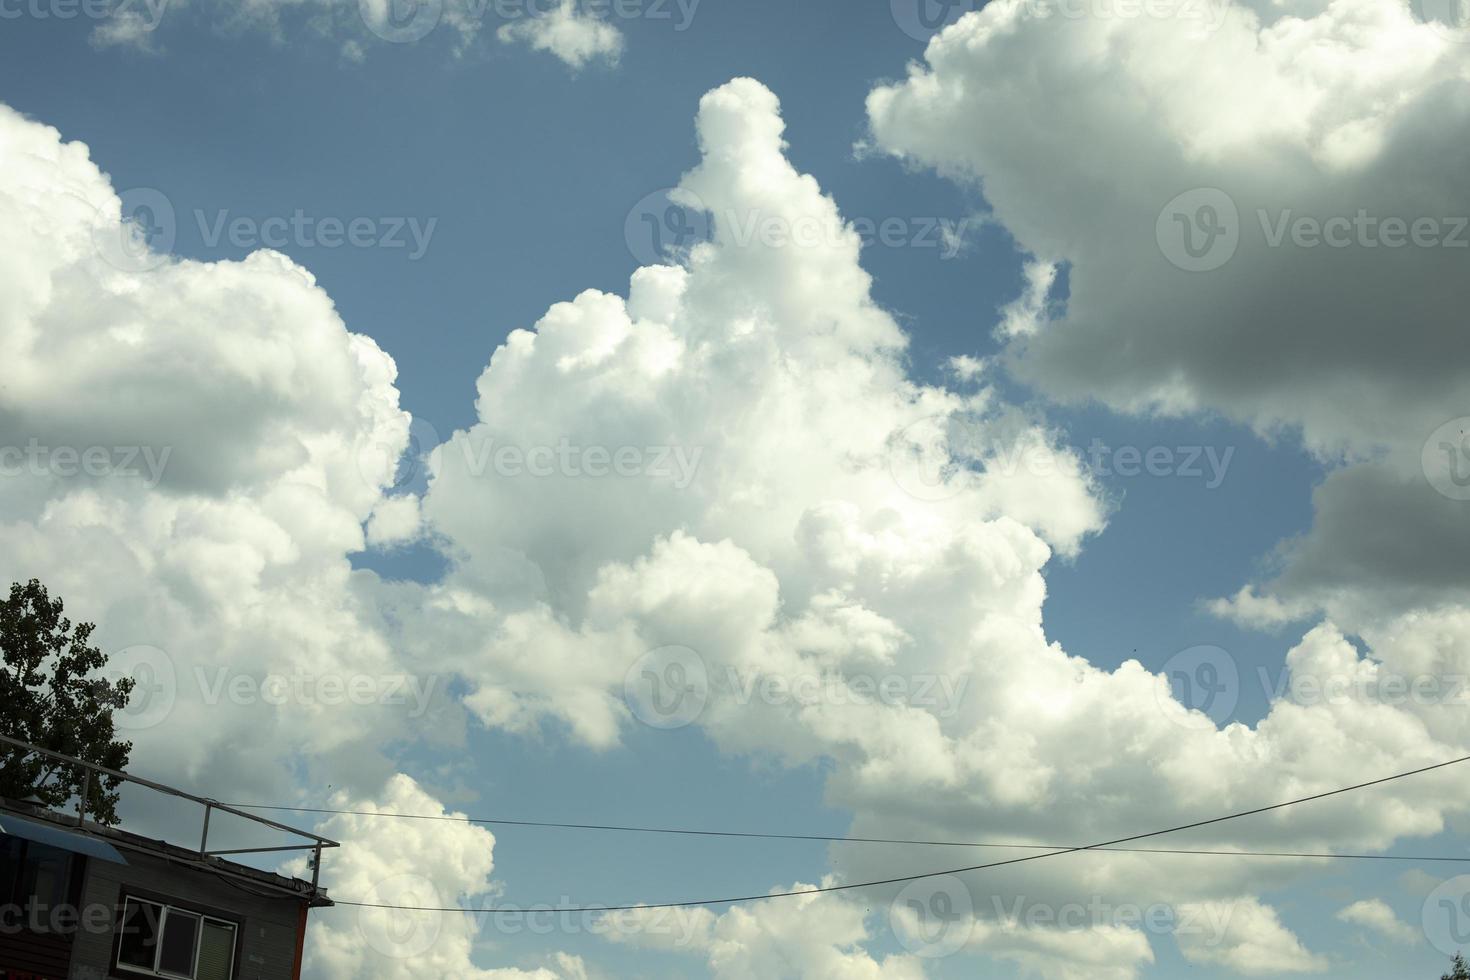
1381,541
190,457
818,936
573,35
417,863
1100,951
833,487
1375,914
724,483
395,521
1153,106
838,525
191,452
1254,943
1102,139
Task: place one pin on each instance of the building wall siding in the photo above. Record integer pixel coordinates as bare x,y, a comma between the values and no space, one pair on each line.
268,926
40,955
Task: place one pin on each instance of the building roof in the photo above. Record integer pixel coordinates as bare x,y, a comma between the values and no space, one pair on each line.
88,836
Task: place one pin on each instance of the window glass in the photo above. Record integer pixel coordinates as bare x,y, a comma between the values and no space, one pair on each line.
138,945
160,940
11,850
33,875
47,876
216,951
176,954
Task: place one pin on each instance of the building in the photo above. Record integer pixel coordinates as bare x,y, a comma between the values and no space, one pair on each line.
79,901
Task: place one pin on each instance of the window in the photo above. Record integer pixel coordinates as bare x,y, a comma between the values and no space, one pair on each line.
46,875
159,940
12,857
35,880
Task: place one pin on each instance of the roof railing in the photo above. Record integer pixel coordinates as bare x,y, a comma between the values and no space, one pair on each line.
317,842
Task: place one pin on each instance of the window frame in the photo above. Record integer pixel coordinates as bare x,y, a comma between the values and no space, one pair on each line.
168,905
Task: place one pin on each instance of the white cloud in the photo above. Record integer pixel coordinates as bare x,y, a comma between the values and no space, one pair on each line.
1081,129
817,936
575,36
1264,612
846,521
1099,952
819,474
188,464
965,367
395,521
1255,943
1380,542
1375,914
842,521
575,32
128,28
416,863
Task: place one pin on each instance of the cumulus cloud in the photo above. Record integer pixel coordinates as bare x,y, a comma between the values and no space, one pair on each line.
836,473
819,936
1101,951
1375,914
188,453
574,35
417,863
1255,943
845,525
1381,541
724,483
395,521
1181,202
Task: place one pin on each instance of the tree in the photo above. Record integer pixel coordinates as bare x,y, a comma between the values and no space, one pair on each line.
1459,971
51,697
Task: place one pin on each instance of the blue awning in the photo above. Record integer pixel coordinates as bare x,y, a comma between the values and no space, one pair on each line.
65,840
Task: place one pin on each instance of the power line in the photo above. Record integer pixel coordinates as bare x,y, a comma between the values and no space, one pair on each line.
619,828
900,879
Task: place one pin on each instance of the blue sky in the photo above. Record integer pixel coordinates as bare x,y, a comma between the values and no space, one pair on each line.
532,174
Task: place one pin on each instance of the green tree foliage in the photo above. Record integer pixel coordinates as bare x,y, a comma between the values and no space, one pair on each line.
1459,970
51,697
